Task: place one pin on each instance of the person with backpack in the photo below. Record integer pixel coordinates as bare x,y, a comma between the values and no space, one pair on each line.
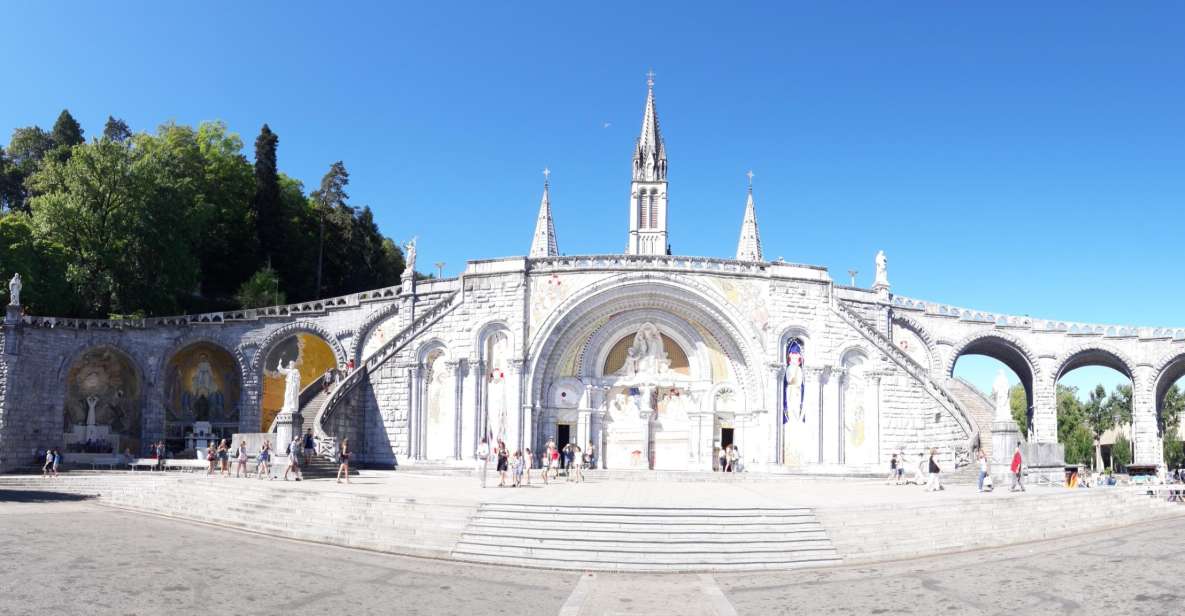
935,483
1017,468
310,446
293,458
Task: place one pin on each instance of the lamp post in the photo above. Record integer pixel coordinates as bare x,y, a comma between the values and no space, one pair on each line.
853,273
439,269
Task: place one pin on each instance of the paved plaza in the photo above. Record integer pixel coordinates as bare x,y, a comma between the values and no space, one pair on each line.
62,555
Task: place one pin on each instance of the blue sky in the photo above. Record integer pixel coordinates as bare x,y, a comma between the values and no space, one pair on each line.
1014,158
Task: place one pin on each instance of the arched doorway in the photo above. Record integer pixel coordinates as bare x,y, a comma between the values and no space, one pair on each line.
1169,398
313,356
979,361
103,404
202,385
1093,393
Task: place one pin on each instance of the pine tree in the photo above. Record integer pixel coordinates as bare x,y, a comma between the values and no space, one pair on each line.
116,130
66,134
330,199
266,203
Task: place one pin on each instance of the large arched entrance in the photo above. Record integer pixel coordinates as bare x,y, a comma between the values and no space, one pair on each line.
202,386
103,404
312,354
653,374
979,360
1091,383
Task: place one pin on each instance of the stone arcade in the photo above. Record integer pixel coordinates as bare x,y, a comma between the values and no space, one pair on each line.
658,359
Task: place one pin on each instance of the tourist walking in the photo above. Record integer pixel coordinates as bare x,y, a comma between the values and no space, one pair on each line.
577,472
48,463
545,462
241,460
483,459
734,458
160,454
263,468
554,463
211,458
592,455
293,459
528,462
892,469
57,460
503,463
310,446
343,457
1017,468
935,483
901,467
983,467
516,468
224,458
326,381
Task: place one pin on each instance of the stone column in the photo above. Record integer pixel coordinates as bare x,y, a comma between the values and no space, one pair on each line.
1045,404
459,369
518,401
841,403
1147,446
816,380
774,395
415,376
479,412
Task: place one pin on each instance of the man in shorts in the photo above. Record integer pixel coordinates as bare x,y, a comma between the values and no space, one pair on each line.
310,446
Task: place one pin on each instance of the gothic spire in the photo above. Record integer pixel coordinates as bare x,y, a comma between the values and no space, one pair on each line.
650,154
749,246
544,244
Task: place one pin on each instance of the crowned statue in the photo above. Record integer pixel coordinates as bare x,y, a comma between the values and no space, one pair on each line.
291,388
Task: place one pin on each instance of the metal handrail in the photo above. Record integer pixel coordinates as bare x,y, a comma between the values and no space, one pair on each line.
915,369
377,358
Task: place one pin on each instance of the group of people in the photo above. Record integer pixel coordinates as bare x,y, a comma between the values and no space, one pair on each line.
929,471
516,467
728,459
53,459
300,452
333,375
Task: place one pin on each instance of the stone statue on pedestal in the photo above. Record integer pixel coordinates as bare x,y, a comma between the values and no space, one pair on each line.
291,388
882,270
14,290
646,355
91,401
1000,392
409,257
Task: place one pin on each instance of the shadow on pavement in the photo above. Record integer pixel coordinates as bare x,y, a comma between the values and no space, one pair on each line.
40,496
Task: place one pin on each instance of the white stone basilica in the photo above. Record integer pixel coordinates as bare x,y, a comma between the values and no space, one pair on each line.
657,360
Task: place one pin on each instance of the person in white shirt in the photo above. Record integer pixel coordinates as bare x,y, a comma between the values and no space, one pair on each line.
483,460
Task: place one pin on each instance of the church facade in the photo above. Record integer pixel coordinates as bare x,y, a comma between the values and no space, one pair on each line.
655,360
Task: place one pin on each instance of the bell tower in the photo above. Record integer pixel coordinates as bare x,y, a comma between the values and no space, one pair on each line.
648,190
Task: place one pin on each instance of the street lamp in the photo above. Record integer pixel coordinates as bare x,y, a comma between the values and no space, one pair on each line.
853,273
439,269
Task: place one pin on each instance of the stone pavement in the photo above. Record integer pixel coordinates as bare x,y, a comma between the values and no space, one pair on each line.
66,556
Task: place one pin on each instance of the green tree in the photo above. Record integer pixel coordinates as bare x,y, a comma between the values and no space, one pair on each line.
1071,426
1121,453
116,130
41,265
1019,403
1120,403
330,200
1171,409
266,204
1099,417
27,148
261,289
66,134
120,212
224,233
11,189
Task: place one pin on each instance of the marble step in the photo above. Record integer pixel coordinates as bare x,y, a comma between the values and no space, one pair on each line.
737,518
652,511
653,545
812,531
614,558
576,564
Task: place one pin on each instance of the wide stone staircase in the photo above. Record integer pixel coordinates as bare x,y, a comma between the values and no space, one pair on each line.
584,537
978,406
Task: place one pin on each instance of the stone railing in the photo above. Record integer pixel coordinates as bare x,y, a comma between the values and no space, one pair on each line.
208,318
977,392
1038,325
380,356
669,262
909,364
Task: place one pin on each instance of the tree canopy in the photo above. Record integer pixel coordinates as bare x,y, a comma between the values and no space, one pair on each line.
175,220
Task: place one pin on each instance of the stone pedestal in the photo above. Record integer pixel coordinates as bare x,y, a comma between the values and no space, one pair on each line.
626,446
13,315
287,426
1005,436
671,446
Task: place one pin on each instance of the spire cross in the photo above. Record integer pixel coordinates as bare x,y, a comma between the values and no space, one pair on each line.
750,174
546,175
650,78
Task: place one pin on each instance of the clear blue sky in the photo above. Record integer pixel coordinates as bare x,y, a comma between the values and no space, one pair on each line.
1018,158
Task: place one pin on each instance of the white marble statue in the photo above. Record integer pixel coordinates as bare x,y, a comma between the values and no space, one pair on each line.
1000,391
646,355
14,290
882,270
409,256
291,388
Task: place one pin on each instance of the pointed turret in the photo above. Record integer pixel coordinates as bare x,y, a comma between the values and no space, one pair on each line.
544,244
749,246
648,191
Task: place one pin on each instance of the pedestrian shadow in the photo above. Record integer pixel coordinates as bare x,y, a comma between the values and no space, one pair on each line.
40,496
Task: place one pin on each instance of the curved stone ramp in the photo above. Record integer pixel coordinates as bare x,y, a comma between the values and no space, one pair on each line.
666,539
391,524
937,525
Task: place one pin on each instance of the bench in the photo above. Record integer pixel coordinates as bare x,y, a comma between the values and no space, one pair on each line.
109,462
149,463
186,464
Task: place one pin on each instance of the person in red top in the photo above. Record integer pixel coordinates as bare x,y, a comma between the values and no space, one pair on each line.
1017,466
